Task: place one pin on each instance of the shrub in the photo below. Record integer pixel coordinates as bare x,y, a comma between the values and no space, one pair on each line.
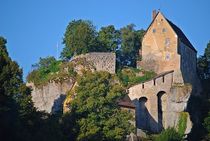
169,134
182,124
130,76
207,123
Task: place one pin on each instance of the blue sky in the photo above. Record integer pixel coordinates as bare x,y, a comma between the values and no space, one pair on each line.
33,28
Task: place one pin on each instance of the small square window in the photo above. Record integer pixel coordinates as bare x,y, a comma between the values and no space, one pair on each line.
167,42
163,30
167,56
154,30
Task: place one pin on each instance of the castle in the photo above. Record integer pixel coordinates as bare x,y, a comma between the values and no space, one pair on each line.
167,51
159,102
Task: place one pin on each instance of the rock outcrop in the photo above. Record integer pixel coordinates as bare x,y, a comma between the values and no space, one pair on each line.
50,97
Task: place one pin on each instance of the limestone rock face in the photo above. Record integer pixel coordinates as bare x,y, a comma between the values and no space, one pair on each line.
49,98
177,103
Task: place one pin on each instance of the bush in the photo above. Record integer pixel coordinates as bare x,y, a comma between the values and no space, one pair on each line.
169,134
182,124
47,69
131,76
207,123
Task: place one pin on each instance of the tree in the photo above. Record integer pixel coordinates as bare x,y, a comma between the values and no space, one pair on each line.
19,119
130,45
98,116
10,80
204,64
79,38
207,52
109,38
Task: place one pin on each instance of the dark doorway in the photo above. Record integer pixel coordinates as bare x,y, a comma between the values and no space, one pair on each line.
161,101
143,114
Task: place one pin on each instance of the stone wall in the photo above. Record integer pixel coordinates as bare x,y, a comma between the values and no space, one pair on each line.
188,67
102,61
149,91
159,102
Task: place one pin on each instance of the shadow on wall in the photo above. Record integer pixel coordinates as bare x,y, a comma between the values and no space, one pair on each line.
58,104
161,108
144,120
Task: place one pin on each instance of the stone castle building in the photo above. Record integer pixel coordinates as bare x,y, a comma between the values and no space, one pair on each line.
167,51
165,47
157,103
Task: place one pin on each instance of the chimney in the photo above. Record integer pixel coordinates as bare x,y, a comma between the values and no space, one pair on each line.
154,13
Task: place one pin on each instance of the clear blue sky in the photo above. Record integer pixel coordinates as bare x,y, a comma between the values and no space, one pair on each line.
34,27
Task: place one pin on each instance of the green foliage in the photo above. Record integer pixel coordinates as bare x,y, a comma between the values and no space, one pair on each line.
46,70
207,51
10,73
130,45
109,38
98,116
207,123
131,76
203,64
57,71
169,134
79,38
182,124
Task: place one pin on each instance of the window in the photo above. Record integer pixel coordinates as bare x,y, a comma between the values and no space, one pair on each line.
167,56
154,30
163,30
167,42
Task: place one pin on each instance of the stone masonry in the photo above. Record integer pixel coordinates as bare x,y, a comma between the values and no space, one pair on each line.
102,61
160,101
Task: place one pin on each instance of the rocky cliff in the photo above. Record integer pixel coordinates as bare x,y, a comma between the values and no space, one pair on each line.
50,97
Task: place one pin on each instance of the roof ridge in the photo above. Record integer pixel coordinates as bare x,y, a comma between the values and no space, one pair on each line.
181,34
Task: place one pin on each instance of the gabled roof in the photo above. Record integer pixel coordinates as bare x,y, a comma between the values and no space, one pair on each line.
126,102
176,29
181,35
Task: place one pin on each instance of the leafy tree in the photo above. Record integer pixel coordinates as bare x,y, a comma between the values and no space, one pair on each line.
11,81
19,120
98,116
45,62
109,38
204,64
207,52
43,70
130,45
79,38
